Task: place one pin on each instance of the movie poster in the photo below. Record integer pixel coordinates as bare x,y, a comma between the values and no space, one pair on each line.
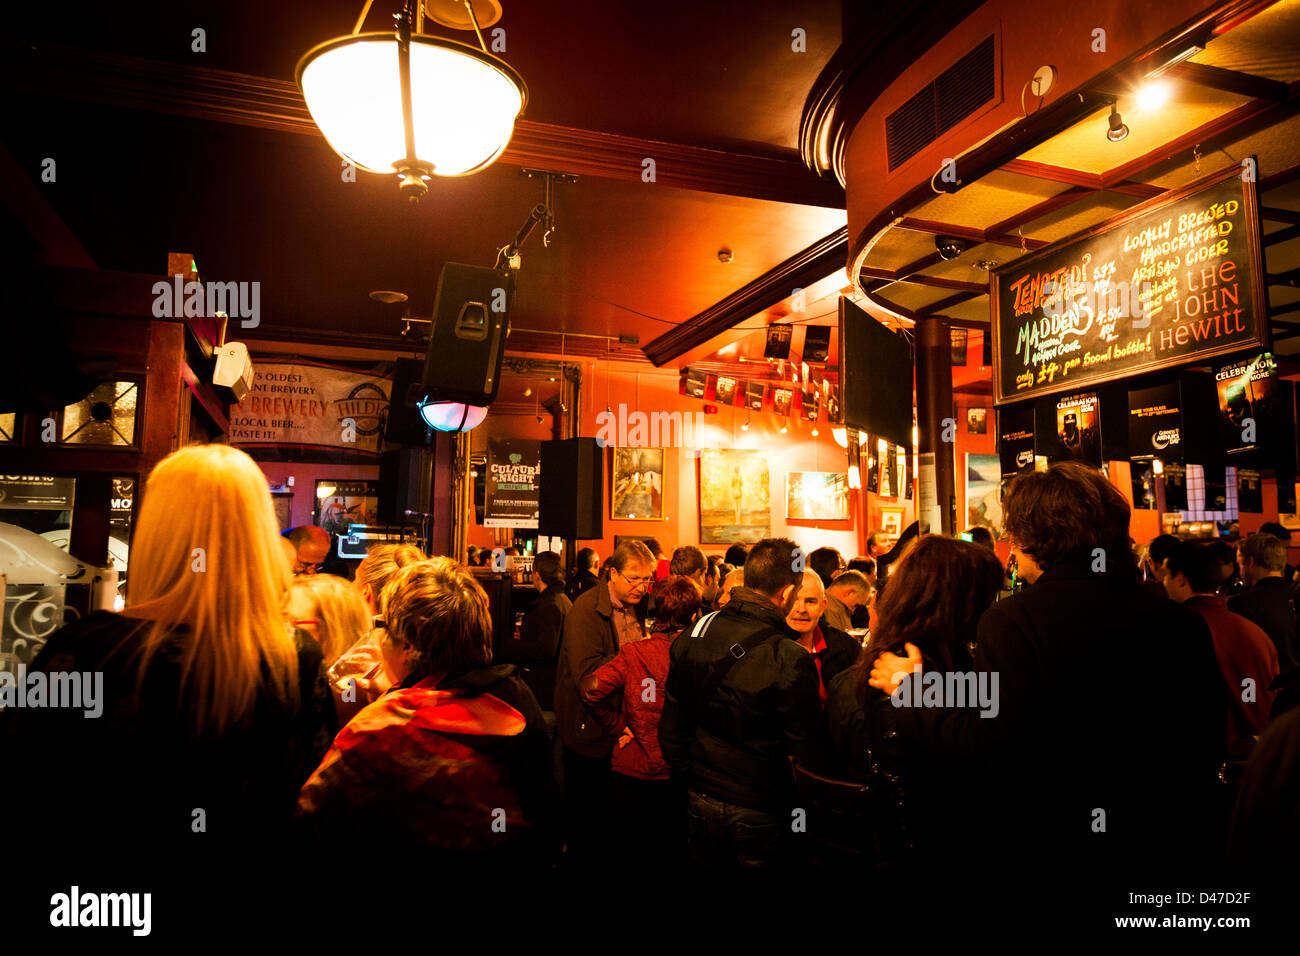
810,401
1144,485
1078,429
754,393
977,420
726,390
781,399
1016,439
1248,398
1250,493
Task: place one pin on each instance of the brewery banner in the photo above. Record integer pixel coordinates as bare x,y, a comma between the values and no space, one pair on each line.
1016,439
511,493
312,406
1172,280
1155,423
1249,401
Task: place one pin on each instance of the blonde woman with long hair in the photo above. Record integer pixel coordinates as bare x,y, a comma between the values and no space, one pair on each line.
208,710
330,609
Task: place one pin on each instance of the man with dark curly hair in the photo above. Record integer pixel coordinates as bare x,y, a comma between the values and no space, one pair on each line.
1102,760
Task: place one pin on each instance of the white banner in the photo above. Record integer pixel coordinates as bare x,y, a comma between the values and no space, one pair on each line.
298,404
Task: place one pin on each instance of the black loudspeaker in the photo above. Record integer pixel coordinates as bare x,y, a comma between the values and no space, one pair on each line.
875,376
405,424
468,337
572,489
405,484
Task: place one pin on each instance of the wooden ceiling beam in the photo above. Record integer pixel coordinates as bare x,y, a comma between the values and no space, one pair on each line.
1077,177
938,282
800,271
1274,214
1282,235
1229,81
947,302
237,98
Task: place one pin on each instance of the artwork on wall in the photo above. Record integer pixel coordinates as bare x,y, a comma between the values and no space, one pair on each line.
735,503
817,495
984,492
977,421
891,522
283,510
343,503
637,484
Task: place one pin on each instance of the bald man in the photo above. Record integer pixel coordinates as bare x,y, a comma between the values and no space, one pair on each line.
311,547
832,649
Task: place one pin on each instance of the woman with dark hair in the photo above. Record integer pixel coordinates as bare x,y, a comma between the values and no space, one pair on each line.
628,697
936,595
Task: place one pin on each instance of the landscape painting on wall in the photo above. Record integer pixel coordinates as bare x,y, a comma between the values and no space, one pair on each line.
637,485
817,495
984,492
735,504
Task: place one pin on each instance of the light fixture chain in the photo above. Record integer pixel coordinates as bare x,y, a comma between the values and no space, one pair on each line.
474,20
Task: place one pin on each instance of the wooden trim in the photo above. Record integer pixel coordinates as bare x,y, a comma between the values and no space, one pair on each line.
264,103
1077,177
1229,81
1282,235
919,279
801,270
1274,214
975,236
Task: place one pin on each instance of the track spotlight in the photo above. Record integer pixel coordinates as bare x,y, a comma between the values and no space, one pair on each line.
1117,129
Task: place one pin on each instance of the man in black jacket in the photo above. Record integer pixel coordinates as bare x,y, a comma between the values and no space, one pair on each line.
1100,760
539,633
1262,559
741,699
584,577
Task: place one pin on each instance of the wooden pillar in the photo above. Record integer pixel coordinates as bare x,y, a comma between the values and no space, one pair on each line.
935,419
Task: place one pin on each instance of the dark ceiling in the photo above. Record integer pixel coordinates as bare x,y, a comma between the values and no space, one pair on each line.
628,258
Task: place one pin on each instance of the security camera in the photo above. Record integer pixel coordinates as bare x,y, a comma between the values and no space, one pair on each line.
950,247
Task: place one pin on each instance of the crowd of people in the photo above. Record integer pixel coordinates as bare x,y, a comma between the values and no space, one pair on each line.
907,715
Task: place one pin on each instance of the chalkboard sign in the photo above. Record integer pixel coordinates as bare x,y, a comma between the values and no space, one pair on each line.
1170,281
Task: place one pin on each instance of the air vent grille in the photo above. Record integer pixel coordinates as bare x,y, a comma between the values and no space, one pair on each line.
956,93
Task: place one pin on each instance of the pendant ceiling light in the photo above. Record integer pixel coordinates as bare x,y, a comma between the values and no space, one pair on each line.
413,104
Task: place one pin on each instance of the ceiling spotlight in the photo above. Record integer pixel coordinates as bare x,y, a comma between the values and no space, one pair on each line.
814,433
1117,129
745,426
528,393
950,247
1152,96
724,255
784,429
387,297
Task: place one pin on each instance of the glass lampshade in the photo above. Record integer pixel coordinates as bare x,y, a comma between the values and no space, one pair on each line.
452,416
464,102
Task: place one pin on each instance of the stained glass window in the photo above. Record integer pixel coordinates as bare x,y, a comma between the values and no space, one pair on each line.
104,417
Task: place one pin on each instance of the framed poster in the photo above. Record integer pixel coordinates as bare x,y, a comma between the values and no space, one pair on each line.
977,420
891,522
817,495
636,487
735,503
342,503
984,492
1176,279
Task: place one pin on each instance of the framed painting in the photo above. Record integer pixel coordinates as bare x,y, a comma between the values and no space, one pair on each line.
984,492
891,522
343,503
817,495
636,487
735,502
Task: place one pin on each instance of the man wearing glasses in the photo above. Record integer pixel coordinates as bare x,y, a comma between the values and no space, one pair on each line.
600,622
312,546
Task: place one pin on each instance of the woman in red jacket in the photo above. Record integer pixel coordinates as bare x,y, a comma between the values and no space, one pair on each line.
628,696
